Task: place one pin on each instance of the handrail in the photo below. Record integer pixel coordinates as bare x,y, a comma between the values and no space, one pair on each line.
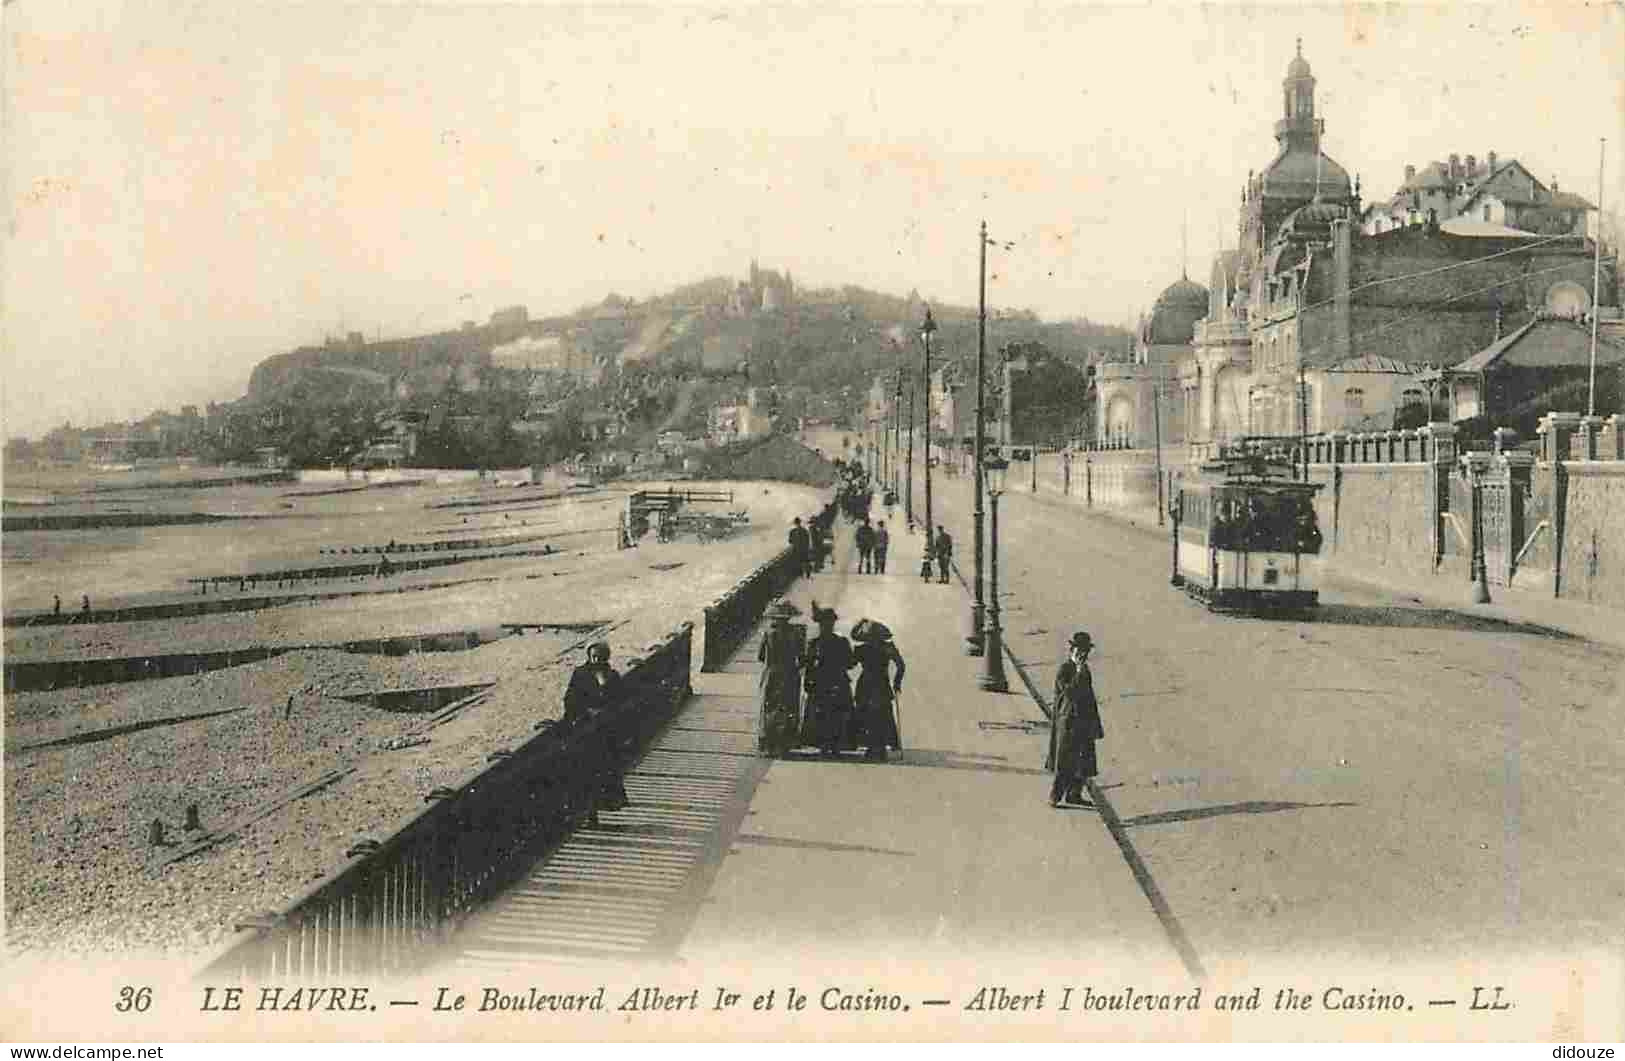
382,912
735,614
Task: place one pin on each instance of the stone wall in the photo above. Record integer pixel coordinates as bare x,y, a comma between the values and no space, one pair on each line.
1383,517
1593,528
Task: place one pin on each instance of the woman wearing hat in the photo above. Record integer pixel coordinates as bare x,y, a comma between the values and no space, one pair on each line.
778,688
594,689
829,694
876,688
1075,727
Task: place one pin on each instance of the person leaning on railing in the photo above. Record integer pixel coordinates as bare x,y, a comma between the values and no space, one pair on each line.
595,690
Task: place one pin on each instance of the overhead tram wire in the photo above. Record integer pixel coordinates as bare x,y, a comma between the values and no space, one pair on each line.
1444,269
1464,294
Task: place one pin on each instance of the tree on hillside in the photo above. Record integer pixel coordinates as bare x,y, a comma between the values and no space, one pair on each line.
1047,401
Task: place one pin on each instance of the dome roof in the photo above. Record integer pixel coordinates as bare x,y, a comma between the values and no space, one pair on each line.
1295,174
1313,218
1299,67
1178,308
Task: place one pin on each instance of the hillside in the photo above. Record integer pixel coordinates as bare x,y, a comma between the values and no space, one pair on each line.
825,341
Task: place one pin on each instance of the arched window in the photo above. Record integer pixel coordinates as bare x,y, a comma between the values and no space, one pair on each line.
1412,396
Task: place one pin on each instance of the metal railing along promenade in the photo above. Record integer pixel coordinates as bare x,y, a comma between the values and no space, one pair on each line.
398,898
735,614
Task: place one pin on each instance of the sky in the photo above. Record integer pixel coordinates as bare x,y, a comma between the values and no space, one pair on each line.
193,187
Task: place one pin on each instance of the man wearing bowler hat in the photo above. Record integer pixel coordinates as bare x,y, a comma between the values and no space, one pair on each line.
1075,727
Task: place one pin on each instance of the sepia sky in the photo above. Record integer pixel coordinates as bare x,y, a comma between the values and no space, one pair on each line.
193,186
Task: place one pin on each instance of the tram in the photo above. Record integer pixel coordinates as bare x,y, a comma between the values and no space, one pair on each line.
1245,537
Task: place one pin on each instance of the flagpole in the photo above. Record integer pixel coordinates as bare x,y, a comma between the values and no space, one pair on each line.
1596,284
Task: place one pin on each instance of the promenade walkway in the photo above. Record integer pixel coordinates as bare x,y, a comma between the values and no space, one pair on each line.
948,850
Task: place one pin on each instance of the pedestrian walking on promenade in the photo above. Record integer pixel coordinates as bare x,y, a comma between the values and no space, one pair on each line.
829,692
801,547
1075,726
866,547
56,606
778,688
882,543
877,688
594,690
944,548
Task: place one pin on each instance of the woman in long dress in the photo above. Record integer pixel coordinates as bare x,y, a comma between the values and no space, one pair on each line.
594,689
1075,727
778,688
829,692
877,689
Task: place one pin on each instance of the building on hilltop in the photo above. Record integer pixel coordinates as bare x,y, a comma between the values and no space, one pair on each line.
765,292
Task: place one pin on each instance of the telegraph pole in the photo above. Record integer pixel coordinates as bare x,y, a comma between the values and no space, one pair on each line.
928,327
897,429
908,498
1596,281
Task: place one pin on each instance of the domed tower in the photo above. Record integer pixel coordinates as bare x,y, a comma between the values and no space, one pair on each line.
1300,173
1174,316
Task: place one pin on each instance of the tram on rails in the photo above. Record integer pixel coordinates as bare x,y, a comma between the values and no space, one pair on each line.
1245,536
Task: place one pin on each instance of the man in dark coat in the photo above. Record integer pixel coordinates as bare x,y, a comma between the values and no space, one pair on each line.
594,689
943,547
882,545
866,546
1075,727
801,546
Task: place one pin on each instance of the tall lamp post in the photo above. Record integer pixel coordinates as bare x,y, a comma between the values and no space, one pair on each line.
973,641
908,471
993,679
897,433
928,328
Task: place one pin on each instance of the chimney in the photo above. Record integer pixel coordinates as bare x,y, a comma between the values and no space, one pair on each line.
1491,166
1455,166
1410,174
1472,166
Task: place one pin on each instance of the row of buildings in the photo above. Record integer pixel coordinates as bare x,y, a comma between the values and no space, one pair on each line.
1333,314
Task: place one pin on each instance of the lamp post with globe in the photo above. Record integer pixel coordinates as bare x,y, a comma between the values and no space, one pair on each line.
993,679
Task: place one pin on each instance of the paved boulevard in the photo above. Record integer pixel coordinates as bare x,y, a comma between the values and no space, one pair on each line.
1387,781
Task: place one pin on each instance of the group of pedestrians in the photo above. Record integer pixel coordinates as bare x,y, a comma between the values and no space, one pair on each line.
873,544
834,717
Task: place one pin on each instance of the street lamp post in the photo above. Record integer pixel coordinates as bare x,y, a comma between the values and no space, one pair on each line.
993,679
897,429
928,328
908,471
973,642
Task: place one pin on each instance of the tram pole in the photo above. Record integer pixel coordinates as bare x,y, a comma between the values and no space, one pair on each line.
928,327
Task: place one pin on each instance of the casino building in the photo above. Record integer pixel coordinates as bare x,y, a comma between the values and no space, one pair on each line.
1317,321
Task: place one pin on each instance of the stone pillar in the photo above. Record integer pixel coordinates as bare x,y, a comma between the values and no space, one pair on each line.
1439,450
1339,441
1439,443
1613,439
1555,431
1590,430
1518,467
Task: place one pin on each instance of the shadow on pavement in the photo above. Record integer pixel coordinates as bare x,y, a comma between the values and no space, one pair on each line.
818,845
1426,618
942,760
1224,809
